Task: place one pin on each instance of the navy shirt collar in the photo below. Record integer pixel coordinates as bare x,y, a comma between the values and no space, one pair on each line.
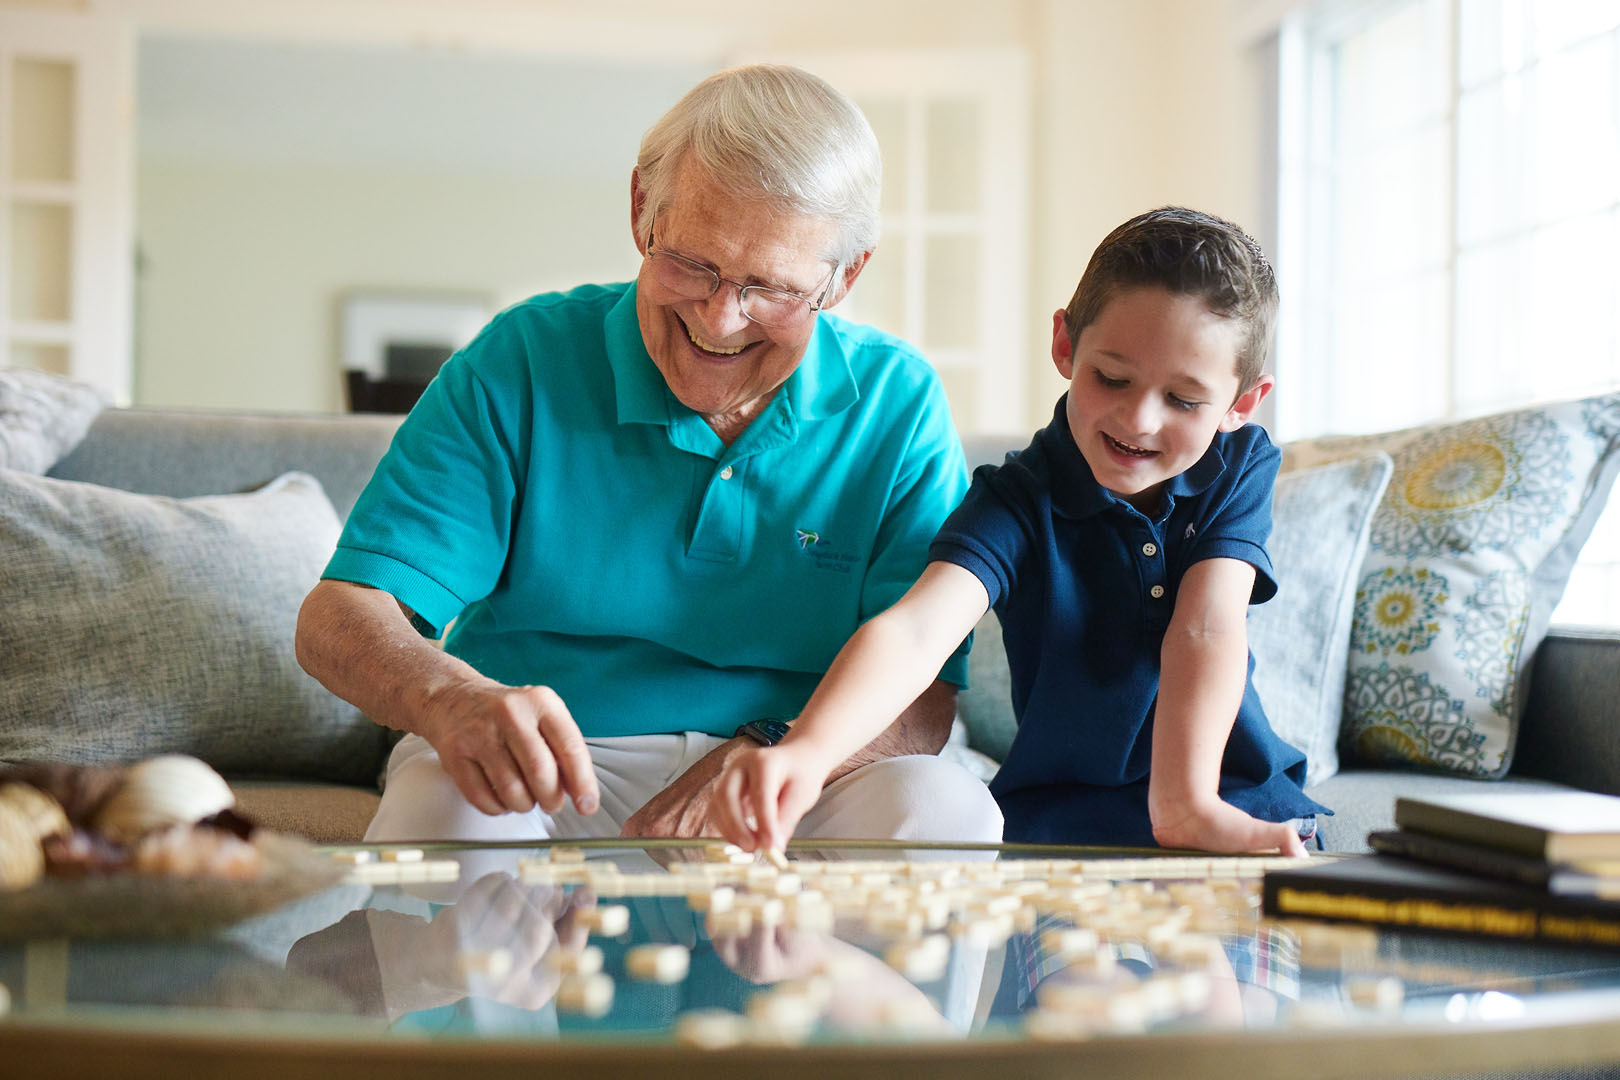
1075,491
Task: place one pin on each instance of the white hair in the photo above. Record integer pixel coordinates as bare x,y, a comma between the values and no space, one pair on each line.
775,133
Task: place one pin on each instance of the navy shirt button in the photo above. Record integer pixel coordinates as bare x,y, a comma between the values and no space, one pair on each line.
1150,549
1156,592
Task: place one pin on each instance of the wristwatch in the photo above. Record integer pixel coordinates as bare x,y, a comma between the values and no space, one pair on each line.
767,731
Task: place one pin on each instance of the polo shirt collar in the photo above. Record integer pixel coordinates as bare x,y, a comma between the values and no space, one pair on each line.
638,385
1075,491
821,386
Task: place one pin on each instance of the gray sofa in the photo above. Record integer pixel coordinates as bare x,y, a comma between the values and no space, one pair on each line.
1566,736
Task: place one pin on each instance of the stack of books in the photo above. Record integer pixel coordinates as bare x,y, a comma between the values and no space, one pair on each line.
1531,866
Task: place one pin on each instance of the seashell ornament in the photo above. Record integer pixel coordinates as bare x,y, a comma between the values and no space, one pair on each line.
171,789
22,859
43,813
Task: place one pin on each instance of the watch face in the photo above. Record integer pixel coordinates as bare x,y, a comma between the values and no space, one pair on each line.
767,731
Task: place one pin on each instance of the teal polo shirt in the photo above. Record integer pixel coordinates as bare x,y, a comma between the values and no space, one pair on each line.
586,531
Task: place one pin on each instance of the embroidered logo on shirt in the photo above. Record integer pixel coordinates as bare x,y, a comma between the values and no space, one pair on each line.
1191,530
823,555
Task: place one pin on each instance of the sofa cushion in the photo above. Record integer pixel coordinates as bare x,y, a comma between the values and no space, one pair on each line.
140,624
320,813
1363,800
1301,637
1470,549
42,417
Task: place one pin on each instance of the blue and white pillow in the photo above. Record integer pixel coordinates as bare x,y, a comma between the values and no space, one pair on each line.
1468,554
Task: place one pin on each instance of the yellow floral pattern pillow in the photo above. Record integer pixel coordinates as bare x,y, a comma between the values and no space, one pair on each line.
1469,552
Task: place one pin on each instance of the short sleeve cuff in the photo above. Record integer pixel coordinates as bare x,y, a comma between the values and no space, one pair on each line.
1265,585
974,562
435,606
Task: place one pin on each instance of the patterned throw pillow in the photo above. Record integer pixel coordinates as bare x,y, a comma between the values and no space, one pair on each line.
1468,555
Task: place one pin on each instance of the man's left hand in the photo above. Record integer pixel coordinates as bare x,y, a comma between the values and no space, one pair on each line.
682,809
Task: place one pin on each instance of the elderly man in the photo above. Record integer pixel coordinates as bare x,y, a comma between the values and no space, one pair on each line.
654,511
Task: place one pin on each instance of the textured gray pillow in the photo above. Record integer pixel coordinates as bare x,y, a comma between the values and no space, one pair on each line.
1300,638
42,417
140,624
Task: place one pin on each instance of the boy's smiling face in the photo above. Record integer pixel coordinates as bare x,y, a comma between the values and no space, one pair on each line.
1151,381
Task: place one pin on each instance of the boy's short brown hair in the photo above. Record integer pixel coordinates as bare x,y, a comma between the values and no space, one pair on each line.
1190,254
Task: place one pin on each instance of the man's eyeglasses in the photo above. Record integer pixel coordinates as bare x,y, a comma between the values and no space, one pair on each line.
691,280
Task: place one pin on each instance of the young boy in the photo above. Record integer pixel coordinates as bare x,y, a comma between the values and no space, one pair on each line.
1120,551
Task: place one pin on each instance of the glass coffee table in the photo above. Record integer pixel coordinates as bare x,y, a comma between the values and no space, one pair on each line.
671,960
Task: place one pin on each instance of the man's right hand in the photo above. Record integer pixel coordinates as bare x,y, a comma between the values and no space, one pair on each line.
507,748
510,748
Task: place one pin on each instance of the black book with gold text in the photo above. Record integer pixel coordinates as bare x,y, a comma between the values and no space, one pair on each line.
1400,894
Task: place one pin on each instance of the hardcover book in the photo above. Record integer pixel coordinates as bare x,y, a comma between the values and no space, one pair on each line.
1397,893
1558,826
1594,877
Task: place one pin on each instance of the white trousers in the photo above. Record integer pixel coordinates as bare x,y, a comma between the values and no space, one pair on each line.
917,797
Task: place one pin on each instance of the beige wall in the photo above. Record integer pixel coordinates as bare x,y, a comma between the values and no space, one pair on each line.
1139,104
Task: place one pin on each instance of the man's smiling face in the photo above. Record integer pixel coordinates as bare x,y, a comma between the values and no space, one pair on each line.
716,361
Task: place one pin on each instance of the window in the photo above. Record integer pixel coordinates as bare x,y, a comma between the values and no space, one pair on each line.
951,266
1450,180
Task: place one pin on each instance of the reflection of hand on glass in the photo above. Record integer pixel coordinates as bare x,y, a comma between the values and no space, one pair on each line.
492,943
864,988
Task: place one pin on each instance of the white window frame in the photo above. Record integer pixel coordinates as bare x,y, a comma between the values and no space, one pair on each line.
996,367
99,197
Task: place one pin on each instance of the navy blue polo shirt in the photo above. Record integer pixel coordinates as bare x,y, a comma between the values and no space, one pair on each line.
587,531
1084,585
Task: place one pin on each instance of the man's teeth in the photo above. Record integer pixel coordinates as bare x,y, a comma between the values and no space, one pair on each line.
713,348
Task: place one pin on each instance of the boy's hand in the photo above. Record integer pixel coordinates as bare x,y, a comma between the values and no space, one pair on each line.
1216,825
763,794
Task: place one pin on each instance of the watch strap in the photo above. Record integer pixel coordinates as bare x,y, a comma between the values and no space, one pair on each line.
767,731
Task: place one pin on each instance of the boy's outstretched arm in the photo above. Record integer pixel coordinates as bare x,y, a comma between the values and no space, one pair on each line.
1204,667
884,666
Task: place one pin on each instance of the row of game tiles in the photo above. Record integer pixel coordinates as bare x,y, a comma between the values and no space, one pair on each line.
1164,866
982,911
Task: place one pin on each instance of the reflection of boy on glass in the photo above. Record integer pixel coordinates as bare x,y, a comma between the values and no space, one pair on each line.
1120,550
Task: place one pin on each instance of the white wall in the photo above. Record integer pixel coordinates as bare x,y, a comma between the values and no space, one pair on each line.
243,268
1138,103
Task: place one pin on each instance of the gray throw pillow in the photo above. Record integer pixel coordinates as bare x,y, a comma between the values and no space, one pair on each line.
42,417
1300,638
140,624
